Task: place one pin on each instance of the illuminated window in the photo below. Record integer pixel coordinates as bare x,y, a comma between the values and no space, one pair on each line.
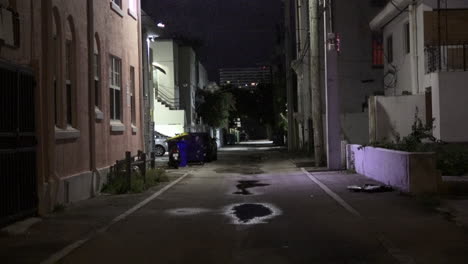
115,91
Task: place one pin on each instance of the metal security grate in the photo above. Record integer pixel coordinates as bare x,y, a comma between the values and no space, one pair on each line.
18,188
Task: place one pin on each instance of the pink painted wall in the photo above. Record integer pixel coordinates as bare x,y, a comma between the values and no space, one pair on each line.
61,159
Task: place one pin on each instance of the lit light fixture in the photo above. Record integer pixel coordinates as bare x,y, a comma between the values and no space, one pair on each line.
161,25
153,37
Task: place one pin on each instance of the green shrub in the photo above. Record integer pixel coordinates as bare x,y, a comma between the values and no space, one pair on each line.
118,182
452,159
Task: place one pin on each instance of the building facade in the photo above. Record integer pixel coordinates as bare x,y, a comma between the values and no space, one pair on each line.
425,69
169,117
82,62
358,74
245,77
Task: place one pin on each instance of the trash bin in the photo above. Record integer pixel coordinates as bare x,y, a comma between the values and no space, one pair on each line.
182,145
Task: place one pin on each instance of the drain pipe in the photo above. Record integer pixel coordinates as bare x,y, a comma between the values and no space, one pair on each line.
91,97
413,36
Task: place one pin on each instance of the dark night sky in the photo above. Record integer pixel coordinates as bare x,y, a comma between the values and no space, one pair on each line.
235,33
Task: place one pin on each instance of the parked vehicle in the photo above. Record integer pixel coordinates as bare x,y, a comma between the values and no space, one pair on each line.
203,143
200,147
160,144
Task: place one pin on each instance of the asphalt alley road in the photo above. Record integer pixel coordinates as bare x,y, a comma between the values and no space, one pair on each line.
255,206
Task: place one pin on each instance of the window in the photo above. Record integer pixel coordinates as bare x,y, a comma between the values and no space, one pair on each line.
117,3
115,91
389,49
406,34
55,68
68,82
116,6
132,95
132,8
377,50
97,75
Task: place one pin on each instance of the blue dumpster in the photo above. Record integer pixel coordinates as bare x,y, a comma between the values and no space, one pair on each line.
182,145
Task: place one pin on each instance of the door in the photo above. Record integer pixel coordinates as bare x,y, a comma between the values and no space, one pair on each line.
18,188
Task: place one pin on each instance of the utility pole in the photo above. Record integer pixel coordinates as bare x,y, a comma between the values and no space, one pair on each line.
315,82
289,75
331,49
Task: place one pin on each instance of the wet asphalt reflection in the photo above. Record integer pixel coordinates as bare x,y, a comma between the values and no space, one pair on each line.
244,186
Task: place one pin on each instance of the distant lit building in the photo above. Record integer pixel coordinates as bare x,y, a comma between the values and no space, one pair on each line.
245,77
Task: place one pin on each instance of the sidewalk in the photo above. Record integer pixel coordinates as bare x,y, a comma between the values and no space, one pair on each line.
452,205
79,220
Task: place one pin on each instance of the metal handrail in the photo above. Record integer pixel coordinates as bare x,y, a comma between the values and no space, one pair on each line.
171,102
446,57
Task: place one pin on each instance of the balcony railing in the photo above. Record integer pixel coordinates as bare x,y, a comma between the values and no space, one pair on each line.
164,97
446,58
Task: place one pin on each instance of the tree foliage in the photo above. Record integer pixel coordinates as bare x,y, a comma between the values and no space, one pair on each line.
216,107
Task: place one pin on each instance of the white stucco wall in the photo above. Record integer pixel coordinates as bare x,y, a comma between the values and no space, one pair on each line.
401,80
202,76
356,76
395,115
449,106
168,122
188,77
165,56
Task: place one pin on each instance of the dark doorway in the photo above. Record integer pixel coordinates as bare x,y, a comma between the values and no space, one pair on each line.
18,189
429,117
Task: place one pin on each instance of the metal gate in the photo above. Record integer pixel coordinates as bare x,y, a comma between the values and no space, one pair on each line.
18,188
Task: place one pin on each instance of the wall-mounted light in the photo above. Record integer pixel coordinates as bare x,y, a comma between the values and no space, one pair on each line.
161,25
153,37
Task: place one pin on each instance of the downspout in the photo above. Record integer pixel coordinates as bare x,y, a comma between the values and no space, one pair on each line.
47,137
414,48
140,81
91,99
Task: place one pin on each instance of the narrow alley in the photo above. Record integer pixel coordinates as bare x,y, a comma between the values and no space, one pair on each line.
255,205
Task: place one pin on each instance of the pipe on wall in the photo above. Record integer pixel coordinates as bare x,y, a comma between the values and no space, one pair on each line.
91,95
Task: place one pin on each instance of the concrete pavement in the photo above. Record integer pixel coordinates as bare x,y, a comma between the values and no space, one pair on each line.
256,206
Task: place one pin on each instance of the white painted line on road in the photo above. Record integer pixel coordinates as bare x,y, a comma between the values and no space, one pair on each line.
395,252
68,249
332,194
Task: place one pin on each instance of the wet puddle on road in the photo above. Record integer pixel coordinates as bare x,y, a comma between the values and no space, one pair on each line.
240,170
252,213
244,186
